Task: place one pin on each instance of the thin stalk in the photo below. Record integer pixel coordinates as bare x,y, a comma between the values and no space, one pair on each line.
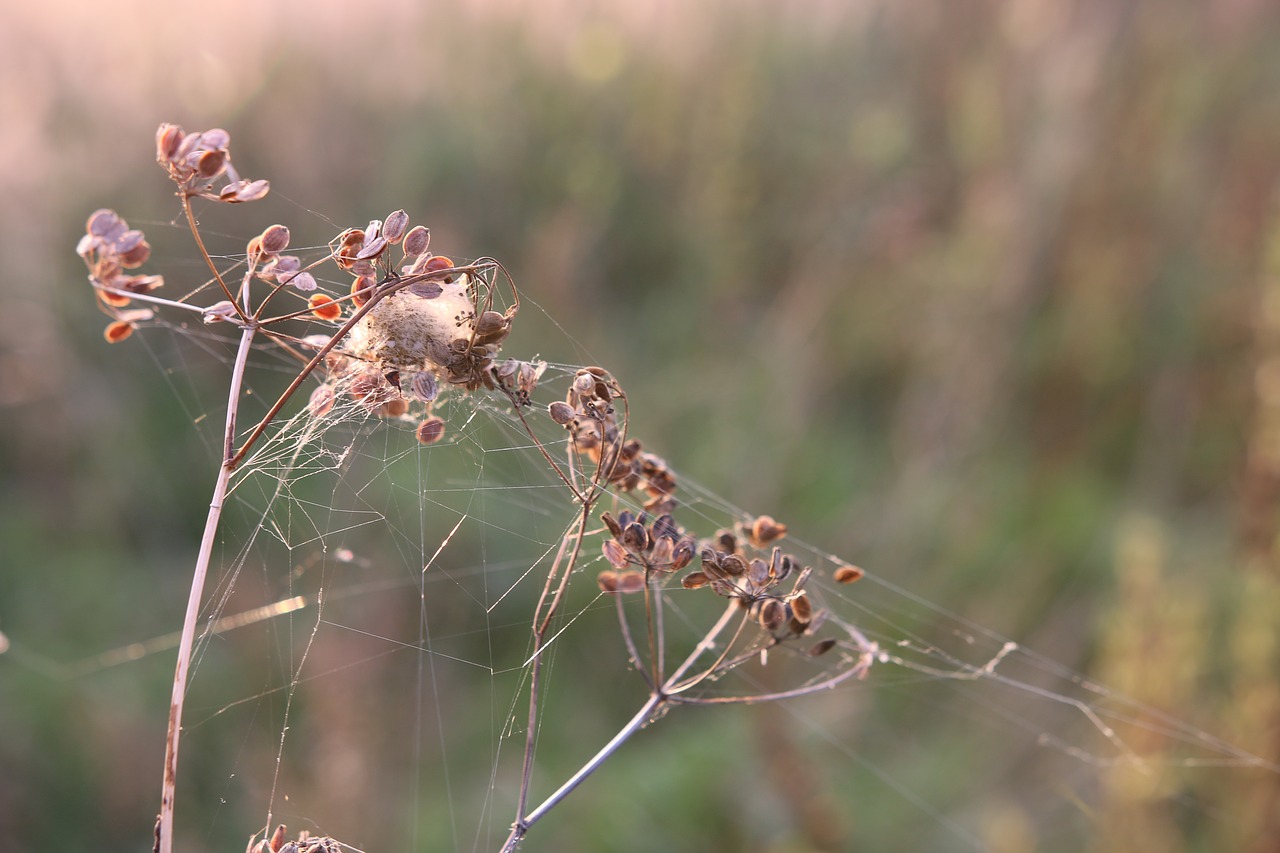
164,834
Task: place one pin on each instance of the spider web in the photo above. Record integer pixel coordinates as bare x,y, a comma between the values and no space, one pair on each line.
365,658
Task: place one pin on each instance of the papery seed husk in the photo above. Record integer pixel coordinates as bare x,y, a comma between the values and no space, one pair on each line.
117,331
802,609
765,529
431,430
168,139
211,163
394,226
612,523
560,412
635,537
608,581
631,581
423,386
734,565
848,574
613,553
821,647
416,241
695,580
321,402
394,408
772,614
275,239
324,307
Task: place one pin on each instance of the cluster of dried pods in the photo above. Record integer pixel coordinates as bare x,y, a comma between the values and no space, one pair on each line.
304,843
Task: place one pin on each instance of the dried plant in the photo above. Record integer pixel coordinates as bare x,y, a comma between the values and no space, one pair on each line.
411,330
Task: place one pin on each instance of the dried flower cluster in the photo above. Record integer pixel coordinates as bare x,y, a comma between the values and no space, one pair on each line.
589,414
639,549
109,247
196,161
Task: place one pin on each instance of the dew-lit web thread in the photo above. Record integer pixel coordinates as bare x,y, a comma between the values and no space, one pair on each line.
301,448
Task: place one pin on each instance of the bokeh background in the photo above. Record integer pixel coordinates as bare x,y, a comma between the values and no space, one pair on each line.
984,295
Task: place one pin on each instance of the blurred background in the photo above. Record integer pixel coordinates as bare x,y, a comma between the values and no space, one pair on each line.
982,295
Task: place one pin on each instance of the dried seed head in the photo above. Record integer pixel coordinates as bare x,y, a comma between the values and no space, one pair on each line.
608,581
324,307
733,565
117,331
431,430
848,574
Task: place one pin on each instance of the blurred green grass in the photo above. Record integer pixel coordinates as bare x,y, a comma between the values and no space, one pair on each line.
975,293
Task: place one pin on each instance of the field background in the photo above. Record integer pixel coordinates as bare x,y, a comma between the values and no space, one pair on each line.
983,295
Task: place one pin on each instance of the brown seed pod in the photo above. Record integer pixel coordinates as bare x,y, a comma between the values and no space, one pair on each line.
772,614
631,581
324,307
117,331
695,580
848,574
608,581
821,647
321,402
431,430
561,412
764,530
802,609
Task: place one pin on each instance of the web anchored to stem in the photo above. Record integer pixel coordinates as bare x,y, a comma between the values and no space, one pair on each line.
713,605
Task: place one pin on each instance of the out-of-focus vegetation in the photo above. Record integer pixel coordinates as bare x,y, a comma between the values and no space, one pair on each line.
985,295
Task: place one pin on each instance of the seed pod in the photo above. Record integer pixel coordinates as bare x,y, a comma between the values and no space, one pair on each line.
324,307
635,538
614,553
802,609
631,581
431,430
117,331
765,530
561,412
440,262
734,566
394,408
321,402
608,581
423,386
848,574
695,580
821,647
394,226
772,614
612,523
416,241
275,239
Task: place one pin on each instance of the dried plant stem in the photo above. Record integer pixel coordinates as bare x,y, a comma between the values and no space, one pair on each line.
164,836
658,698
